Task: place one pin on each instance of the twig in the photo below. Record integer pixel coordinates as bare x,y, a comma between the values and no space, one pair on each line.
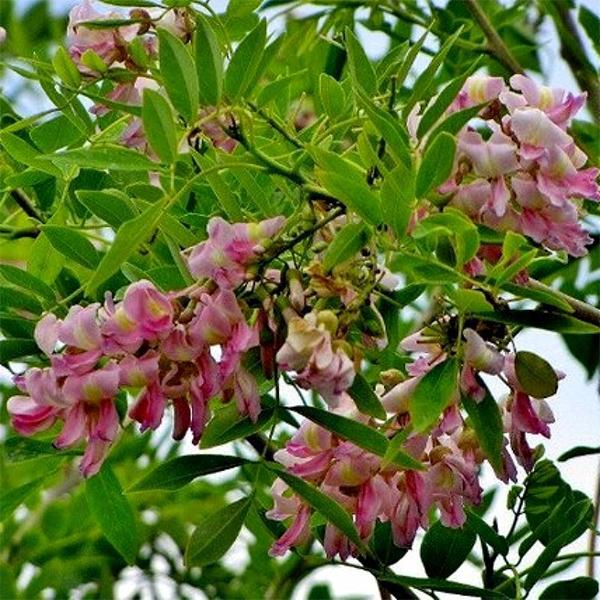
593,531
496,44
582,310
26,206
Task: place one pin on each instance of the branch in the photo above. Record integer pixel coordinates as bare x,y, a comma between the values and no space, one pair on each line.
496,45
26,206
581,310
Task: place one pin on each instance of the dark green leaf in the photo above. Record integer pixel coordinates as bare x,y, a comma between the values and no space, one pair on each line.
112,206
177,472
582,588
541,320
19,449
489,535
578,451
209,62
106,157
19,300
433,393
179,74
437,164
27,281
226,426
65,68
441,585
331,95
535,375
113,513
347,242
127,240
362,73
72,244
363,436
398,198
12,499
330,509
245,62
444,549
159,126
486,420
365,398
215,534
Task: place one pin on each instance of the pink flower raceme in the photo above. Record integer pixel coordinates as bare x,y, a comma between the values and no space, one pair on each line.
309,351
229,249
147,345
369,492
522,171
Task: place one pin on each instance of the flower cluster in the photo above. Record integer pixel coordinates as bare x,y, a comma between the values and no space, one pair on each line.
517,168
450,454
156,346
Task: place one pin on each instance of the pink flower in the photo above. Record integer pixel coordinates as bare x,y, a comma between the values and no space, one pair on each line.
492,158
28,417
308,351
93,387
46,333
410,509
229,248
296,534
478,89
559,107
150,406
81,328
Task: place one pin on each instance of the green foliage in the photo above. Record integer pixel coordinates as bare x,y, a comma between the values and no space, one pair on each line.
444,549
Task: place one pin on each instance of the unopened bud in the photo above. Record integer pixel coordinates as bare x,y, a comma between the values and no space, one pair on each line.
391,377
328,319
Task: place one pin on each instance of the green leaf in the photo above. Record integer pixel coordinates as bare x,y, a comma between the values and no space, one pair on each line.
245,62
437,164
365,398
111,206
580,518
541,296
179,74
18,299
454,123
215,534
178,472
228,201
363,436
443,101
362,73
486,420
535,375
209,63
582,588
410,59
433,393
72,244
103,157
128,239
113,513
389,128
226,426
590,21
577,452
12,499
65,68
27,281
541,320
468,301
396,455
398,198
346,182
55,133
331,95
426,78
323,504
445,549
159,126
348,241
440,585
489,535
20,449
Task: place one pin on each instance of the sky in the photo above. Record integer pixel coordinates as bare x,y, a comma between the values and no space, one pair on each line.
576,406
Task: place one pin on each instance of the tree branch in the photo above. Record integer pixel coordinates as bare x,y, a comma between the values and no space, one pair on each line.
26,206
496,45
